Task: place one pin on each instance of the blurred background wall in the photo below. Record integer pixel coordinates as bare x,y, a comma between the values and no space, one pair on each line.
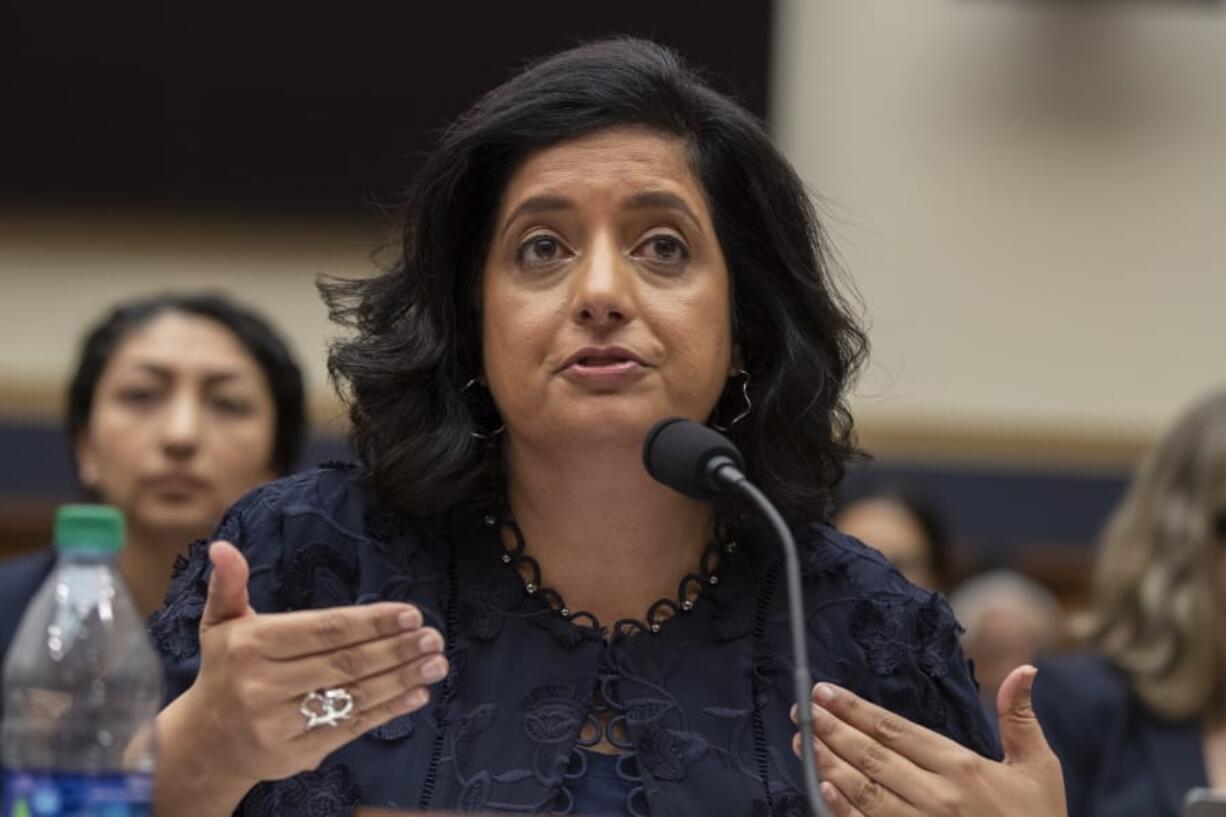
1028,197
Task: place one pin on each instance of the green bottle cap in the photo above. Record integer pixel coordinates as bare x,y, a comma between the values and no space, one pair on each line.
88,527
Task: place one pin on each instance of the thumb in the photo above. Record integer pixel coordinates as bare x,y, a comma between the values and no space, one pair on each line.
227,597
1020,734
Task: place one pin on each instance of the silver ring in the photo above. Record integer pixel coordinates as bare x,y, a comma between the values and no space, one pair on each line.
327,708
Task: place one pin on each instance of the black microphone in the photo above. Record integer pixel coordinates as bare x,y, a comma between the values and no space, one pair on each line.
691,458
701,463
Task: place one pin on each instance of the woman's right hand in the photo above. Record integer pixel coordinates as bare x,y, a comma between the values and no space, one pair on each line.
239,723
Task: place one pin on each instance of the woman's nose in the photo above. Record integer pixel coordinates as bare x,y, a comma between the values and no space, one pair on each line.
181,426
604,296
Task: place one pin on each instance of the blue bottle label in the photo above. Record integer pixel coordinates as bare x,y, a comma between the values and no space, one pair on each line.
61,794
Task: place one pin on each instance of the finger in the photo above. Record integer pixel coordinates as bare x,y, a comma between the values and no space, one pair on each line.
923,747
227,596
864,795
869,757
374,692
1021,736
343,667
283,636
839,806
326,739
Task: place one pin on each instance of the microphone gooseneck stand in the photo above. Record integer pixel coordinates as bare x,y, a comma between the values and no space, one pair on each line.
701,463
796,616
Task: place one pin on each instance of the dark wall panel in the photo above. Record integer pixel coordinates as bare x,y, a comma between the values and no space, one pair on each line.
998,510
315,106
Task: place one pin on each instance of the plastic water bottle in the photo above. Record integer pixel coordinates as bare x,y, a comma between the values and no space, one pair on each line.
81,685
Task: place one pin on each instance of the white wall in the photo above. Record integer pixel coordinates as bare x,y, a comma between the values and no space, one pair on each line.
59,270
1031,199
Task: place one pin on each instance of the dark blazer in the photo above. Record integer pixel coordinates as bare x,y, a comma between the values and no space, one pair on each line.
1120,760
699,705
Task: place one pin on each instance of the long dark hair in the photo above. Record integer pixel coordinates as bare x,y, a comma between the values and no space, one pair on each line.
254,333
416,336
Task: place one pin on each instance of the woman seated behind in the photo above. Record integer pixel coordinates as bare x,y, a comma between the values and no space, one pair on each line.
601,242
907,526
178,406
1142,719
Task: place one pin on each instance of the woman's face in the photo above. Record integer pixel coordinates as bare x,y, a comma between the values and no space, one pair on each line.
605,293
182,425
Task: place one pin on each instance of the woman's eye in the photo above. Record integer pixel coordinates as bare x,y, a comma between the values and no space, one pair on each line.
137,396
665,248
231,406
540,249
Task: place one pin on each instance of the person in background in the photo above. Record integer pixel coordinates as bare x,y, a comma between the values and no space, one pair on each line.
1141,718
179,405
906,526
1009,620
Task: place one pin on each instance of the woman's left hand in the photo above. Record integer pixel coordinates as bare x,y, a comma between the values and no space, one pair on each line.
875,764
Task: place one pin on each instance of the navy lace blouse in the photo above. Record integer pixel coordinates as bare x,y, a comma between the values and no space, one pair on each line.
697,704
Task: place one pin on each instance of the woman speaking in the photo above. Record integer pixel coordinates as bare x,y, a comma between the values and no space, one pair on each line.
499,610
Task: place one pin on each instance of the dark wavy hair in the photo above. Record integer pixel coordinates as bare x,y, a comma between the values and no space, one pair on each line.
415,337
254,333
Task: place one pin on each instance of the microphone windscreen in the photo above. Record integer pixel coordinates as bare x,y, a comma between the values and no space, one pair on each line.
677,452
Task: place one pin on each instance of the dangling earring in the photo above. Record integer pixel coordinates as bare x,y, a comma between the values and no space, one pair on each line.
745,411
479,435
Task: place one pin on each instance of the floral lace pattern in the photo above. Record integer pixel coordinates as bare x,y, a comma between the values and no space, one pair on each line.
318,575
326,792
697,706
175,629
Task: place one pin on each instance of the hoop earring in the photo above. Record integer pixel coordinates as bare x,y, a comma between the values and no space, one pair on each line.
745,411
479,435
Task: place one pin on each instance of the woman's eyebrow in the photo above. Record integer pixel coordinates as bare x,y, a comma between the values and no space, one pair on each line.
648,199
221,377
212,376
545,202
155,370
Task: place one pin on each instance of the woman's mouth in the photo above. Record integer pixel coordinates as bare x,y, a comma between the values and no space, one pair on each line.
607,367
604,362
176,485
